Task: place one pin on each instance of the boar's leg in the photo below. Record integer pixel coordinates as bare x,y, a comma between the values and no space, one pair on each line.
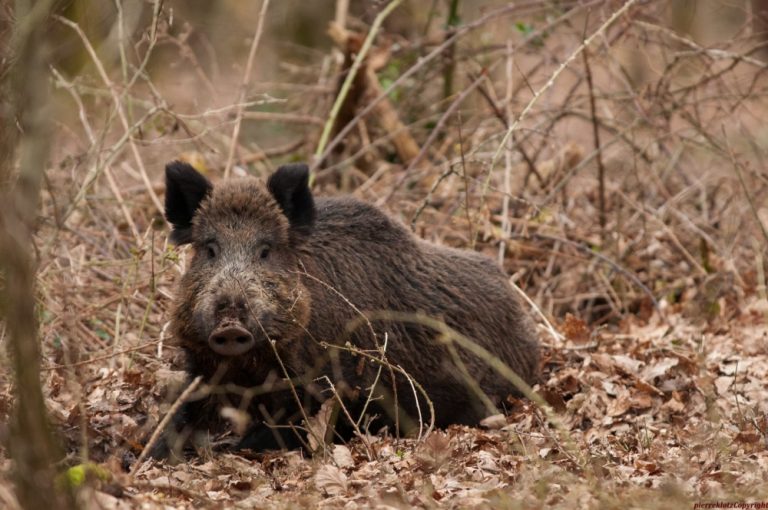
191,418
262,437
278,409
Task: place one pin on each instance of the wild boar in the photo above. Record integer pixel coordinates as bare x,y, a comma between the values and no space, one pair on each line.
286,294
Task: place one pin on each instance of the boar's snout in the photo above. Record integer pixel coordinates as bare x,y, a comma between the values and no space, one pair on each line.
231,339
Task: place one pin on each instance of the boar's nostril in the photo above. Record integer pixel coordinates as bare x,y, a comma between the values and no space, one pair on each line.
231,340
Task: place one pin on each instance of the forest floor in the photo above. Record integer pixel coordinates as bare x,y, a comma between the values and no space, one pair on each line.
662,413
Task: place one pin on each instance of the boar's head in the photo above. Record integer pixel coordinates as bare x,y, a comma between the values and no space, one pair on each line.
242,287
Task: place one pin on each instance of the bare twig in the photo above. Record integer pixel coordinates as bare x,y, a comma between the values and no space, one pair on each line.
244,88
506,225
160,429
118,106
436,131
292,118
567,62
556,336
103,358
598,151
355,423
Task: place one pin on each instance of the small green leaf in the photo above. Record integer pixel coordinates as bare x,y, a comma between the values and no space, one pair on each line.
524,28
77,475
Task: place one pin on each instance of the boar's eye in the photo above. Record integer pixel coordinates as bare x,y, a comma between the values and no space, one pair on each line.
211,249
264,251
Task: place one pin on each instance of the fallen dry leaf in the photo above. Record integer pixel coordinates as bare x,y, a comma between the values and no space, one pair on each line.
750,436
658,368
434,451
331,480
494,422
317,426
575,329
342,456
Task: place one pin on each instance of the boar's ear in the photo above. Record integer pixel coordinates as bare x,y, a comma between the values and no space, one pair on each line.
290,187
185,188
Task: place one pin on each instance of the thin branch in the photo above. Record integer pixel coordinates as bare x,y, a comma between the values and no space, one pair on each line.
244,88
599,153
567,62
345,87
160,429
118,106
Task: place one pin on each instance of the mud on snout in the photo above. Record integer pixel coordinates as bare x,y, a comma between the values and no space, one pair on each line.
238,314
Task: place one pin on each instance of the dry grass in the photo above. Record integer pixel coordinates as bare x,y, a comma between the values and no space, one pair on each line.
627,204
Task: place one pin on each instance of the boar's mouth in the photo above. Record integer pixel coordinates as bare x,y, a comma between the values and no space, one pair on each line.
231,339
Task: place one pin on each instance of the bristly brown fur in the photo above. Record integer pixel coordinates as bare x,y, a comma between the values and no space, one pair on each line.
322,256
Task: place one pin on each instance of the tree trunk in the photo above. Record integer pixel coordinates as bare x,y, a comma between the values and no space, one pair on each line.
25,130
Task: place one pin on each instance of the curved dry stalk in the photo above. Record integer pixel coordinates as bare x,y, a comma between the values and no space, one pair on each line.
470,381
382,349
450,335
552,331
369,399
273,344
292,387
355,424
395,368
